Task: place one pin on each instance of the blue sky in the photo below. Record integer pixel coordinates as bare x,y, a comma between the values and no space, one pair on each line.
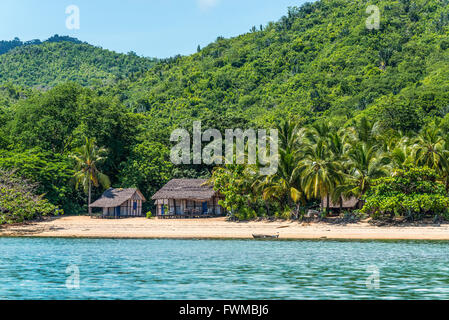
153,28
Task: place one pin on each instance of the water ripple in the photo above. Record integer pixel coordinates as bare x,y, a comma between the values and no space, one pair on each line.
214,269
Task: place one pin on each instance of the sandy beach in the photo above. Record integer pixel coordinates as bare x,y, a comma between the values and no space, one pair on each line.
218,228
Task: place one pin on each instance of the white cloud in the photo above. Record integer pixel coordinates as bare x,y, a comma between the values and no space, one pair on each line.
207,4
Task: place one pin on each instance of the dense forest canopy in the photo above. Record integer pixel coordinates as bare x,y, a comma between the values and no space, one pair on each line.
6,45
319,60
60,59
317,64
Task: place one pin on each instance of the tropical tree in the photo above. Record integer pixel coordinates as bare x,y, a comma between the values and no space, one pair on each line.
366,131
402,154
86,172
320,172
289,136
413,193
428,149
444,167
366,164
319,131
285,185
339,146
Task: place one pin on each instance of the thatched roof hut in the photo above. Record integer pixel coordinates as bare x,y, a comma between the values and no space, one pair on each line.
120,202
187,198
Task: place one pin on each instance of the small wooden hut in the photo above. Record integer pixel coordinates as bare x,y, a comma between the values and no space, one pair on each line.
187,198
120,203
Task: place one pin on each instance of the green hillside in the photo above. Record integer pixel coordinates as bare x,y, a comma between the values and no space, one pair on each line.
6,46
318,60
62,59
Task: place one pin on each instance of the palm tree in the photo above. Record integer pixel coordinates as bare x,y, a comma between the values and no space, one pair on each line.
339,147
284,185
289,135
402,154
431,149
87,173
444,163
428,149
319,131
338,144
320,172
367,131
366,164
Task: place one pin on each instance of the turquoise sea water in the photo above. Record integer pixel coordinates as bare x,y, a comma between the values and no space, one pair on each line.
33,268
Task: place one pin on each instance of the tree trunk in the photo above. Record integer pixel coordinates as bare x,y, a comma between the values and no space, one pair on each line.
89,198
297,211
267,207
341,204
327,204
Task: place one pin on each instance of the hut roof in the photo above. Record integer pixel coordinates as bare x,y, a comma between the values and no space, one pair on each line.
351,202
115,197
191,189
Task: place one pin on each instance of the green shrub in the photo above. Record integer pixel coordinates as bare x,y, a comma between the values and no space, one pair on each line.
286,214
413,193
18,201
149,215
246,213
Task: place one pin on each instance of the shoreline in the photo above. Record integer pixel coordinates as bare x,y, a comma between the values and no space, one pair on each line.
79,227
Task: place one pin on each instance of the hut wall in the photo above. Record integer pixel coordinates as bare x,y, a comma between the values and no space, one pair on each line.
159,205
217,207
108,212
174,207
131,208
182,206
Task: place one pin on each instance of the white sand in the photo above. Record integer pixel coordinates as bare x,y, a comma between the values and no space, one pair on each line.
219,228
